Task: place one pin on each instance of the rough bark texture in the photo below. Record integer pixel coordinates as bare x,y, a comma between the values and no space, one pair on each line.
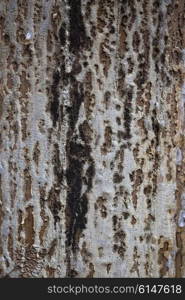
92,180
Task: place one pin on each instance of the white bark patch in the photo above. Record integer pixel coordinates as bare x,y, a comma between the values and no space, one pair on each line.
181,220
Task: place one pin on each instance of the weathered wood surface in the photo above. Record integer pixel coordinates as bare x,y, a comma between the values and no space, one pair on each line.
92,180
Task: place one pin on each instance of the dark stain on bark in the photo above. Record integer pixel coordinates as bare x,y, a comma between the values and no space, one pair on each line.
90,174
77,203
77,34
141,77
54,203
85,132
127,114
29,226
53,199
57,166
156,126
62,34
78,152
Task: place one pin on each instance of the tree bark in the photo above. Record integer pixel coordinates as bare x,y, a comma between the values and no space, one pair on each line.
92,138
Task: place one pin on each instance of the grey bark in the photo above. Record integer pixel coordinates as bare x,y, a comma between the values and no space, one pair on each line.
92,138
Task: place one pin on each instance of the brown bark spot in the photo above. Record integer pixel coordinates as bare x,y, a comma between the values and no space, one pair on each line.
52,248
10,243
107,140
119,246
29,226
122,42
36,153
138,179
163,253
50,272
100,204
91,271
45,220
104,59
27,185
25,85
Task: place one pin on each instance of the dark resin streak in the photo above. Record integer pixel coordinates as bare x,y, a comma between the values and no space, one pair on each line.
78,151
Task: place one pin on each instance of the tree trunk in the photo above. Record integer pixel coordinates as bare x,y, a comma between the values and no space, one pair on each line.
92,138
